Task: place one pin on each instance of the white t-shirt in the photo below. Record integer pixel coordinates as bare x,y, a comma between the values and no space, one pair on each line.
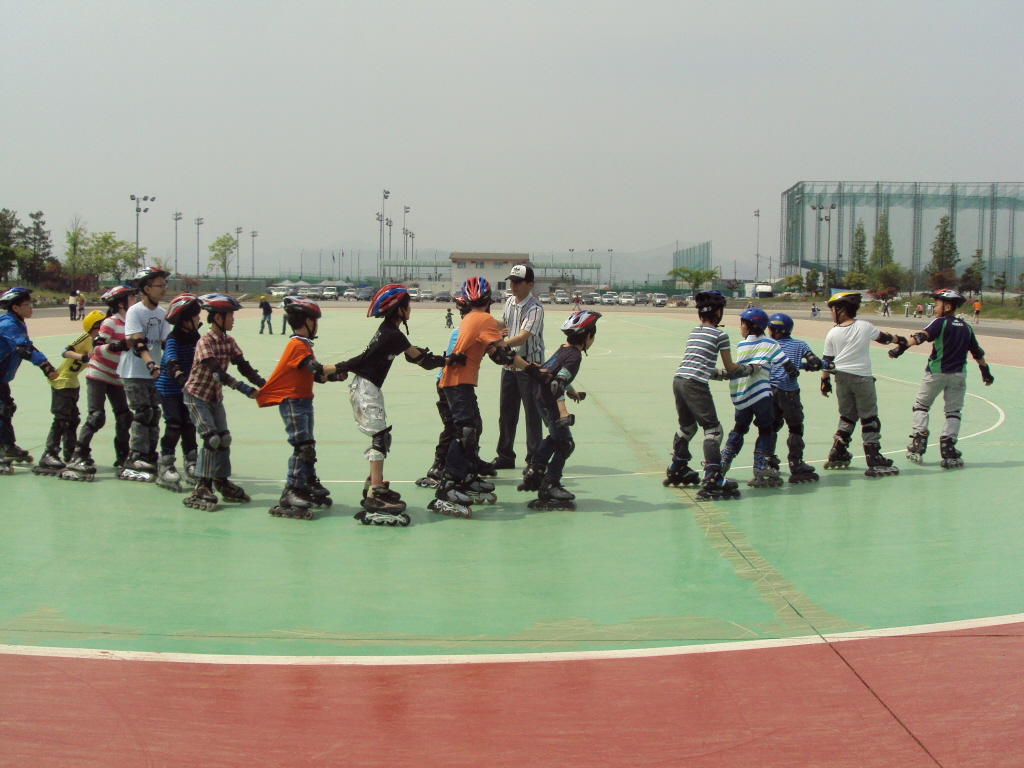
154,329
849,345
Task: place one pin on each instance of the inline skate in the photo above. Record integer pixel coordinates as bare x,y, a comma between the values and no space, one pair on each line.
229,491
553,496
480,491
49,464
450,499
380,508
167,474
764,475
384,492
201,497
715,486
190,467
433,477
950,455
80,468
5,467
295,503
679,473
138,468
13,454
839,457
878,465
918,446
727,456
485,469
533,476
801,472
320,496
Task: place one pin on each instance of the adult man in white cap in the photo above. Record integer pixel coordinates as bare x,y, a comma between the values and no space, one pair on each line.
522,323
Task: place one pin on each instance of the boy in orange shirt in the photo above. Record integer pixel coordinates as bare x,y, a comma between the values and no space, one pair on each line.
290,388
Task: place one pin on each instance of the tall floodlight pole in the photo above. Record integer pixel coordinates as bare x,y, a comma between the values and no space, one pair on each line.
199,223
828,238
177,217
238,251
380,218
591,251
254,234
388,222
405,234
609,267
138,211
757,249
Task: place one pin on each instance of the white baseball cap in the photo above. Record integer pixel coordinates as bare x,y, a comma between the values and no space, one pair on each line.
522,272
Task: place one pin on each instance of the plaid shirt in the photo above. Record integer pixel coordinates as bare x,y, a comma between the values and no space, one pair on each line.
201,383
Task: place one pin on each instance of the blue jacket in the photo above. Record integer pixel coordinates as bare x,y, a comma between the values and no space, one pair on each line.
13,334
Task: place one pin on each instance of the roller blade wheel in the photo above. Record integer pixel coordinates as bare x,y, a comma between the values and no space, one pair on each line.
75,475
839,464
952,463
881,472
173,487
765,482
550,505
47,471
133,474
685,478
916,458
195,502
296,513
6,468
804,477
706,495
427,482
482,498
450,508
383,518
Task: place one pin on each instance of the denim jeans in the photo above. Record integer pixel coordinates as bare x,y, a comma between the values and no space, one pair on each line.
762,413
177,426
297,414
266,322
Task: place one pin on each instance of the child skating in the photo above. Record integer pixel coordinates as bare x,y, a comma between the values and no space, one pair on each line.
789,411
695,405
752,397
945,373
290,388
846,357
64,399
103,385
178,355
204,396
15,346
554,384
448,319
369,370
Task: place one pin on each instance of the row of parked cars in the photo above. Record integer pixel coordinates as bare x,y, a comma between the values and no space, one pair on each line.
612,298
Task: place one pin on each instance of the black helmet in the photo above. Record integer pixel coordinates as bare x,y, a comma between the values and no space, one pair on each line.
709,301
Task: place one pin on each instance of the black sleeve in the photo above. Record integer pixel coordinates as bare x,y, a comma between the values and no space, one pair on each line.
246,369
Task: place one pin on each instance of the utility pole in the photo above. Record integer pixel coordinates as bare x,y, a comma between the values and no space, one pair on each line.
139,210
177,217
254,234
238,250
757,250
199,223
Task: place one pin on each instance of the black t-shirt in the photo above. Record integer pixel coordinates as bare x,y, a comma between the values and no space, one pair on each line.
375,361
565,364
265,306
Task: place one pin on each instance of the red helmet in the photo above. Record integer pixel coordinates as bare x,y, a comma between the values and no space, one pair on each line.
386,299
460,302
117,294
182,307
581,321
219,304
144,275
948,294
477,291
297,305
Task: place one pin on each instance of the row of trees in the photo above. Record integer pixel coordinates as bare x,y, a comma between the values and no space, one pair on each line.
87,255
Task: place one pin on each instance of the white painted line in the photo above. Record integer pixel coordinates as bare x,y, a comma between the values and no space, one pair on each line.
503,658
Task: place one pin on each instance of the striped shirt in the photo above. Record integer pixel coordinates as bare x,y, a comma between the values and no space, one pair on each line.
103,365
794,349
764,351
702,349
181,348
525,316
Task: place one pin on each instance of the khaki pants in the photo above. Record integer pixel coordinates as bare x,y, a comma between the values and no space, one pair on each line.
953,387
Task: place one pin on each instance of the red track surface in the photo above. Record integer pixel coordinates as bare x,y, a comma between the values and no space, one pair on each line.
950,699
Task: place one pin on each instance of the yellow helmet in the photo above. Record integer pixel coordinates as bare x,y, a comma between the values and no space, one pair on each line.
92,318
263,298
848,298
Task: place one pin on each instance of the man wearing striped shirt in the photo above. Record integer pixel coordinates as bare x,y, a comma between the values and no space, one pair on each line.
752,395
522,324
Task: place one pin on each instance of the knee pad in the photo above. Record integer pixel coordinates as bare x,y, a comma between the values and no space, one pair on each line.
741,430
469,439
686,434
144,415
225,440
7,409
306,452
870,424
921,408
211,441
381,441
172,429
96,419
714,434
797,428
953,415
565,448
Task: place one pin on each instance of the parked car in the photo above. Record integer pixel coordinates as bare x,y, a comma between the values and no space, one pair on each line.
678,300
426,294
498,296
591,298
350,294
330,294
659,300
610,298
545,298
642,298
561,297
444,296
414,294
278,293
627,299
364,294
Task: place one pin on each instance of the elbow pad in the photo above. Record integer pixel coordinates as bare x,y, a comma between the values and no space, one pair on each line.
503,355
24,351
812,362
978,354
828,363
138,347
920,337
118,346
884,338
224,378
312,365
427,360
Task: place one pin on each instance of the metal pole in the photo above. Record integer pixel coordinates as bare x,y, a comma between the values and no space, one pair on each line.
199,223
757,250
254,234
238,252
177,217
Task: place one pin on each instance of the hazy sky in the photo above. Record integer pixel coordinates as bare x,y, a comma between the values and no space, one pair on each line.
505,126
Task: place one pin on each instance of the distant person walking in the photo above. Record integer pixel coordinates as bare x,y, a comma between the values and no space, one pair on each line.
919,311
73,305
885,308
81,305
522,325
977,310
267,311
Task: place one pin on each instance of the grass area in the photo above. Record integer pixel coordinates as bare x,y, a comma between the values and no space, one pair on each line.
1008,311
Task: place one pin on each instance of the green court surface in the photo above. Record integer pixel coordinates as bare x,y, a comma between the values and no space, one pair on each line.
126,566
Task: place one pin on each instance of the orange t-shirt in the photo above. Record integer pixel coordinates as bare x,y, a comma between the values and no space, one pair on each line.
288,381
476,332
977,306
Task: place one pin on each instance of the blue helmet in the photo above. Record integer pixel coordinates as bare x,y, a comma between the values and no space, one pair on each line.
708,301
781,322
386,299
756,316
13,296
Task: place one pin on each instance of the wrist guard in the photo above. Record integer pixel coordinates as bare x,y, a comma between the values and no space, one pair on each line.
719,374
828,363
47,369
743,369
920,337
812,362
884,338
986,374
455,358
537,373
791,370
152,366
427,360
826,386
244,388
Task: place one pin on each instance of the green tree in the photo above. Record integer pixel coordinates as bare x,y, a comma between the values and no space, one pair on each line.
794,282
811,281
999,285
222,250
105,254
856,280
9,228
859,254
75,238
945,255
881,246
891,278
695,278
972,277
34,249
